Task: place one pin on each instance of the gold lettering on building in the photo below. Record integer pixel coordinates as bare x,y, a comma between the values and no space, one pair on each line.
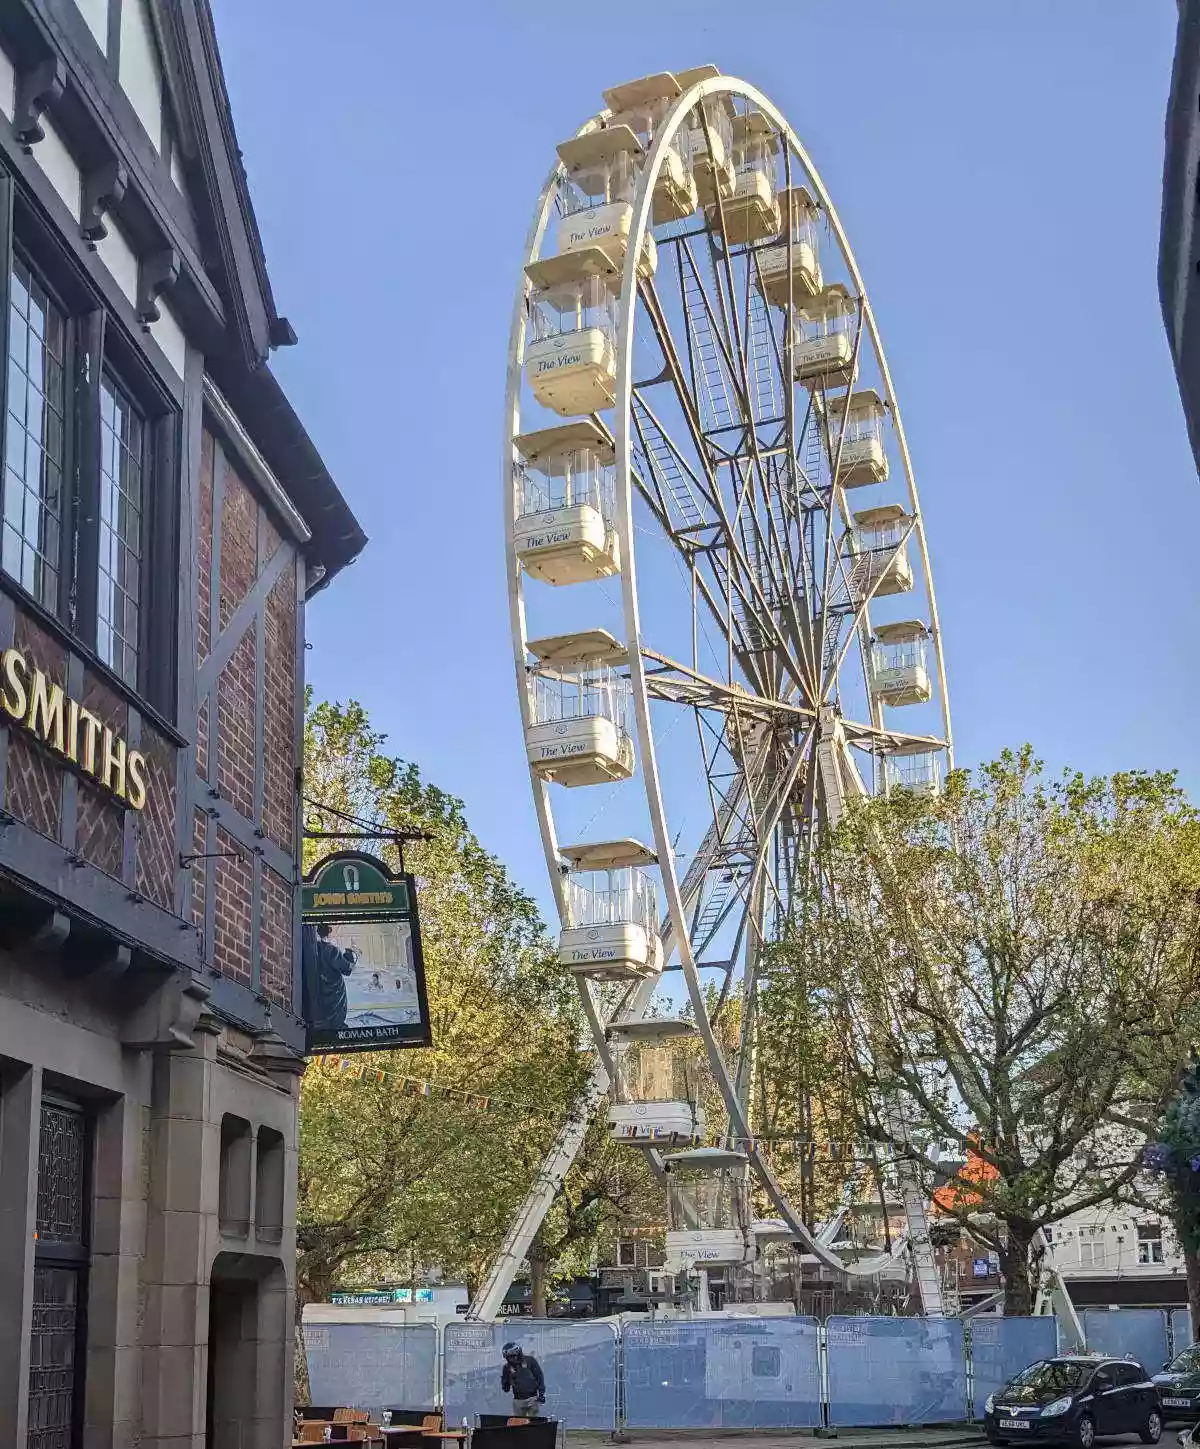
34,701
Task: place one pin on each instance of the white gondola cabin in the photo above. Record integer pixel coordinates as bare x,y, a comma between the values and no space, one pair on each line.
708,1209
642,105
864,452
823,351
881,562
602,175
570,356
653,1090
752,213
898,672
913,767
710,139
564,531
579,707
800,213
612,912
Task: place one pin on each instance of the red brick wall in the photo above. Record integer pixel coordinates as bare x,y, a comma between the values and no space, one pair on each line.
231,921
199,867
236,695
204,545
275,938
157,861
226,731
279,778
34,792
100,821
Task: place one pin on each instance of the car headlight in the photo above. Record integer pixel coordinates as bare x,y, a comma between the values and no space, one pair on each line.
1059,1406
990,1404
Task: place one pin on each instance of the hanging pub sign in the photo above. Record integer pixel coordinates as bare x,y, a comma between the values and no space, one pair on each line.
364,977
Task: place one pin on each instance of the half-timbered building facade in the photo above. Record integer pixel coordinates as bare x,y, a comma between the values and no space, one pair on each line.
164,521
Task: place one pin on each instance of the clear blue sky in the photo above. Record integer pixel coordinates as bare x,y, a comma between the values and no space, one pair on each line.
998,168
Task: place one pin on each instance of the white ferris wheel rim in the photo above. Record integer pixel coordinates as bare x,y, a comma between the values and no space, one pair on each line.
676,933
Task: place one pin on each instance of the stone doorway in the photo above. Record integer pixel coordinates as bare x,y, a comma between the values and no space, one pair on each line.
248,1352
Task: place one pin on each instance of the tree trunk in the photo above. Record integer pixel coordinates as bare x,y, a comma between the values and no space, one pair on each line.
537,1281
1191,1263
314,1284
1014,1265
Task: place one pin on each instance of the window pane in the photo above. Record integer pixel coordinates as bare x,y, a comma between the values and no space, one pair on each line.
120,552
61,1215
52,1358
36,436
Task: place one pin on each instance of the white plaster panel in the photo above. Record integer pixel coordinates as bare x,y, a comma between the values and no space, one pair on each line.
8,85
95,12
140,74
59,165
169,336
120,259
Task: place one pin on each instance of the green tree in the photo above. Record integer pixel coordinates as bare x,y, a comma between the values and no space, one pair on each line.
1178,1155
390,1183
1014,959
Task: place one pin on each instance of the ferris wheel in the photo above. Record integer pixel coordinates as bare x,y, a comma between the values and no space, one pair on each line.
722,609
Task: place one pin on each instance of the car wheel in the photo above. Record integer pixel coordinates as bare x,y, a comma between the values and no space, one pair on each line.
1085,1433
1151,1432
995,1439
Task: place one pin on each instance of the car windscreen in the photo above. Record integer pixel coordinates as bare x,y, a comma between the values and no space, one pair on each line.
1053,1374
1187,1362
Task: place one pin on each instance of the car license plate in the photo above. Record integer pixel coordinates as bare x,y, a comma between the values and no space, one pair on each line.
1014,1423
1177,1403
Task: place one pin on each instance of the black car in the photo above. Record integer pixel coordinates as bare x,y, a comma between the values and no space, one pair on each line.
1075,1400
1179,1385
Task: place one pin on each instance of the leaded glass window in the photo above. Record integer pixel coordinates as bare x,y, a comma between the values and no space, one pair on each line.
118,608
35,437
52,1349
61,1175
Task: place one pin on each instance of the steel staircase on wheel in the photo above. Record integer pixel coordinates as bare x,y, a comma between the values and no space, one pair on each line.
715,408
660,464
763,369
712,909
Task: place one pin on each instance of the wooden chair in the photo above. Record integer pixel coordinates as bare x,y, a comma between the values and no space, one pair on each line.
351,1416
312,1431
432,1422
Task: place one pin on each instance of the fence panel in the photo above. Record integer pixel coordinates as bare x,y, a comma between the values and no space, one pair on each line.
1138,1332
579,1360
1181,1330
896,1371
372,1365
1002,1347
737,1373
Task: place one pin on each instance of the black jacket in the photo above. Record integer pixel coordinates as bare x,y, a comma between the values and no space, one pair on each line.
524,1378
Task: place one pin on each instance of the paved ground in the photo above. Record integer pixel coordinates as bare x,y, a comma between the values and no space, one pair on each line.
966,1435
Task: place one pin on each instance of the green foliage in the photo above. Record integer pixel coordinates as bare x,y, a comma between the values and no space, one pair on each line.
1181,1133
1016,958
390,1183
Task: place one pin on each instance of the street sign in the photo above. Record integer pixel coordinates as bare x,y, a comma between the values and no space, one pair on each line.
364,975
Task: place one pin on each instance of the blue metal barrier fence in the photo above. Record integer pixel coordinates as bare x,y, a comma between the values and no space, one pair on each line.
896,1371
1139,1332
717,1373
999,1348
578,1358
731,1373
372,1365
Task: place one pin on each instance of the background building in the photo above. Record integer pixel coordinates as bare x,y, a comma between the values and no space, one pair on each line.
1179,245
164,519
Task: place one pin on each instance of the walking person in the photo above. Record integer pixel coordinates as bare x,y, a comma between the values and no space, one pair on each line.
522,1377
